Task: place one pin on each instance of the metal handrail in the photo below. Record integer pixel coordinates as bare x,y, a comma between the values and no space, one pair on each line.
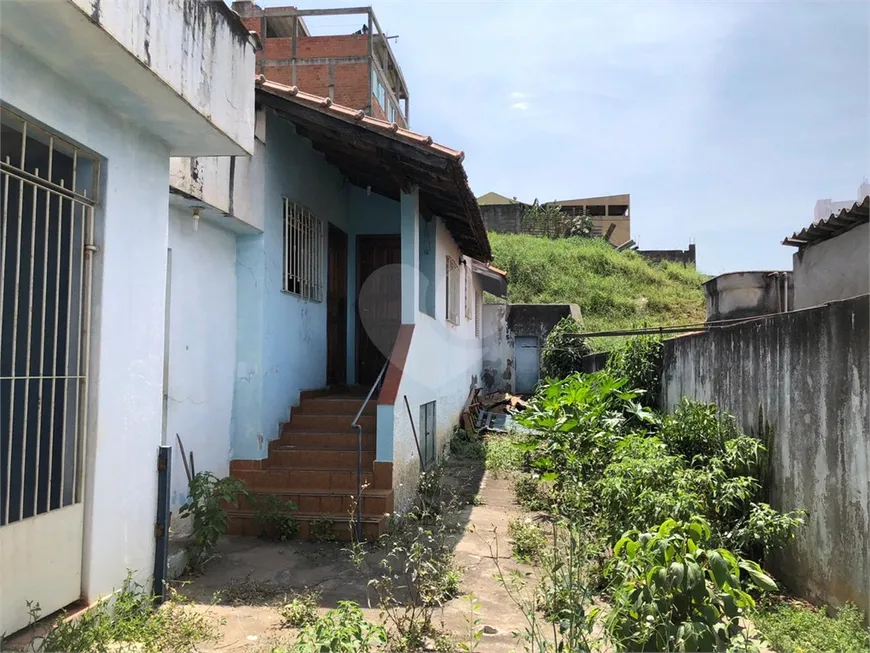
355,425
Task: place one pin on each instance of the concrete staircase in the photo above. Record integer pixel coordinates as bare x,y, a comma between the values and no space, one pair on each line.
314,464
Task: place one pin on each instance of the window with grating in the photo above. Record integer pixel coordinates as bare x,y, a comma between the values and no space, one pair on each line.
452,291
303,252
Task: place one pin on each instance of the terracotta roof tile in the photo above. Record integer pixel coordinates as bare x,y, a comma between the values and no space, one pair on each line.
376,124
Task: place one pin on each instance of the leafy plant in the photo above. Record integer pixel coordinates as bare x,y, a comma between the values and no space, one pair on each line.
551,221
793,627
474,633
321,529
529,540
129,618
301,610
418,576
205,499
563,352
274,517
502,456
342,630
698,431
529,492
640,361
670,592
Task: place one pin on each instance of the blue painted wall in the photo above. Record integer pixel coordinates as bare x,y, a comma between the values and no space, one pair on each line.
281,338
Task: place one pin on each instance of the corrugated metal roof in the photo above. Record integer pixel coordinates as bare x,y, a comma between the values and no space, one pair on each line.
838,224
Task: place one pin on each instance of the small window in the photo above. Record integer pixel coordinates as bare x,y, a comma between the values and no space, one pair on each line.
452,291
427,428
478,312
303,252
469,294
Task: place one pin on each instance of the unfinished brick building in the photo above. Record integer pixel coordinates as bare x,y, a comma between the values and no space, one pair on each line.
357,70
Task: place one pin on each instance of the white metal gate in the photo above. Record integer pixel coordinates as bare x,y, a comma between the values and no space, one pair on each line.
47,191
528,364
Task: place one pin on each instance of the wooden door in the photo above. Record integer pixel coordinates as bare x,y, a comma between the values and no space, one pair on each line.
336,308
379,302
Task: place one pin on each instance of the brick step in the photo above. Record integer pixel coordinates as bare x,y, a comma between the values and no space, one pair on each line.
243,523
292,457
326,502
333,423
314,479
335,406
324,440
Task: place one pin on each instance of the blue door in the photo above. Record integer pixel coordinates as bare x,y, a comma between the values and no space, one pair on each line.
528,364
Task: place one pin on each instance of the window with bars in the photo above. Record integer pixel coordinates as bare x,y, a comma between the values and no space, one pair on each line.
469,294
478,312
303,252
452,290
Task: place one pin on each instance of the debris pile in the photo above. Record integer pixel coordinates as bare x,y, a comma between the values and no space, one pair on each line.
489,412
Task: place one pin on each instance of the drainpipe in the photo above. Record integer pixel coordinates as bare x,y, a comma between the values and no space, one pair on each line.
161,525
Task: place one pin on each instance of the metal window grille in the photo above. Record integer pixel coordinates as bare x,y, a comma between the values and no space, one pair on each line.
47,200
452,291
303,252
478,312
469,294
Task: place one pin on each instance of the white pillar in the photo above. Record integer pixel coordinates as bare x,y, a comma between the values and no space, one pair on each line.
410,209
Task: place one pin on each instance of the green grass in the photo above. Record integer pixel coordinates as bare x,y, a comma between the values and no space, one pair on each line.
615,290
799,628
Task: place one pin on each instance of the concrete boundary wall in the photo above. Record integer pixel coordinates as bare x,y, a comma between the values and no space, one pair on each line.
801,379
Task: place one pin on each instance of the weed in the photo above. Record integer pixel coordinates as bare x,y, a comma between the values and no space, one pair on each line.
245,591
799,628
473,633
274,517
130,619
301,610
206,496
640,361
673,593
465,444
430,488
529,541
342,630
502,456
321,529
477,500
530,493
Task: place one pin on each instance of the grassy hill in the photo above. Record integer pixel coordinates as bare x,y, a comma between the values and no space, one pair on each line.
614,290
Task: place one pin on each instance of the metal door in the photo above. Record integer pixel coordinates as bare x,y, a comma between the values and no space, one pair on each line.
528,364
47,205
427,431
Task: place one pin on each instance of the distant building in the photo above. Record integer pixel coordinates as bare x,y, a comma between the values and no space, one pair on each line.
827,207
356,70
503,214
605,211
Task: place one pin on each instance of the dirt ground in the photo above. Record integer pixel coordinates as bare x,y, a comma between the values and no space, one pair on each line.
257,575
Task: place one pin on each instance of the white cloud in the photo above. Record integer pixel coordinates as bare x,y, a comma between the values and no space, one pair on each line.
520,106
518,95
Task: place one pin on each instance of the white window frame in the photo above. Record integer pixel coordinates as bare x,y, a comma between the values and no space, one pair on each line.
303,252
478,312
469,295
452,290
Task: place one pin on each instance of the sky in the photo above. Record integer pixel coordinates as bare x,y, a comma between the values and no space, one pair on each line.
724,121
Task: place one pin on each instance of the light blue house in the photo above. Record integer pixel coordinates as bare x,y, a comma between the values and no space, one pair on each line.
359,266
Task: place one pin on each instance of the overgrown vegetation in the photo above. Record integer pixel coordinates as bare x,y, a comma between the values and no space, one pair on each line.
205,499
342,630
129,620
793,627
551,221
563,352
528,540
301,610
615,290
676,502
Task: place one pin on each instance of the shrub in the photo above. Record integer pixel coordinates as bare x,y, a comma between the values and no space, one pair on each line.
206,496
672,593
640,361
529,493
563,353
698,431
274,517
798,628
342,630
529,540
301,610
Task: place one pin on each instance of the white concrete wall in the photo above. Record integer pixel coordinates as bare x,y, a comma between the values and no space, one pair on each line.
126,370
202,347
498,350
444,362
196,48
838,268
